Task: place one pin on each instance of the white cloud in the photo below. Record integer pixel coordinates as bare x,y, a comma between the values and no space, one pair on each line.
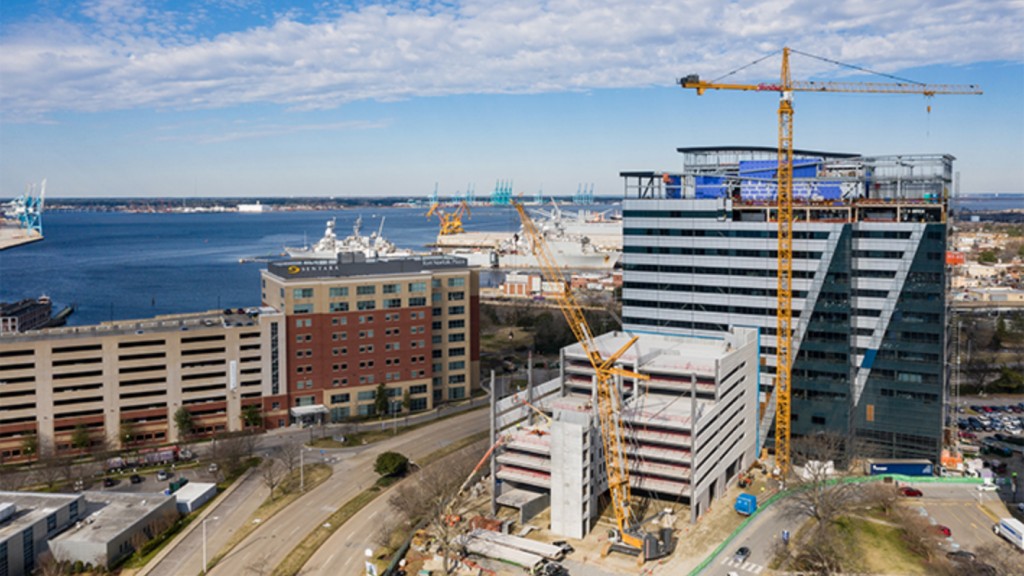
273,130
124,55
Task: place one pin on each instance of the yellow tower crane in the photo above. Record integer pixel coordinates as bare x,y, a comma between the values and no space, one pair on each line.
784,172
630,536
450,223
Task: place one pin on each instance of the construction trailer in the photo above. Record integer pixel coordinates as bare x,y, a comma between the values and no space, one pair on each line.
689,430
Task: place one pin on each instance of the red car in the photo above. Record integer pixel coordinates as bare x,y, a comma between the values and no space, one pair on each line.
944,530
911,492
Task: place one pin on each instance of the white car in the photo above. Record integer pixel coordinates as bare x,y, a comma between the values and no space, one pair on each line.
986,487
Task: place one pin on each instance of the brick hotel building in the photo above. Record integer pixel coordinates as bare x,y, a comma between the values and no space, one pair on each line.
354,324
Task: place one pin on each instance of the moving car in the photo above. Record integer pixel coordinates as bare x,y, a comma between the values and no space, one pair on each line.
741,555
944,530
911,492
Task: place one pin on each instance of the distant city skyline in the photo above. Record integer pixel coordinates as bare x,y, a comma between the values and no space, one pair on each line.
239,98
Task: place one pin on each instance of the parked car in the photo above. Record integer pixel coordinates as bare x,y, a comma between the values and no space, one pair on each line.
961,556
911,492
741,555
108,482
136,479
163,475
944,530
213,468
986,487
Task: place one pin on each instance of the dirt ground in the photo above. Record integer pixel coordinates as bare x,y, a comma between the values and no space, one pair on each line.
695,541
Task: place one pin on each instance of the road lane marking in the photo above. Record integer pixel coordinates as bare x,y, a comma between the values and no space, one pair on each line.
986,512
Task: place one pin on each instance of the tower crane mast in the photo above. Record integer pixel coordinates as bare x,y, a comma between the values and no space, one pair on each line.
630,535
784,175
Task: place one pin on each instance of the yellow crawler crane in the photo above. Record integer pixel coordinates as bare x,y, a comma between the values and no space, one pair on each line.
450,223
784,319
630,536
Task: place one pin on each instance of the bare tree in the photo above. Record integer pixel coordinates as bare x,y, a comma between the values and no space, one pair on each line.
289,454
230,452
49,469
436,497
12,479
385,534
919,535
818,494
821,552
272,473
1005,559
881,495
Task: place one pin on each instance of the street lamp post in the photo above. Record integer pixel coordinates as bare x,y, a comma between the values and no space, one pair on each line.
204,542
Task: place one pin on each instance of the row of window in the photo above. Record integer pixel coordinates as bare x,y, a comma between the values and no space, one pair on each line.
733,252
721,233
717,289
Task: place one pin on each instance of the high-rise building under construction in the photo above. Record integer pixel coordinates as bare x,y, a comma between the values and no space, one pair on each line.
869,241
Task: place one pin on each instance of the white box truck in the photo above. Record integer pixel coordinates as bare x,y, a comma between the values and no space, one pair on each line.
1011,529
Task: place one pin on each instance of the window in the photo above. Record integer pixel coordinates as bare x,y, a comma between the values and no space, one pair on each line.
455,352
418,389
457,365
454,324
460,337
51,524
435,325
436,339
393,303
366,290
456,282
337,292
417,302
367,395
456,393
454,310
417,287
302,309
339,398
392,289
339,307
435,282
456,378
456,296
303,323
302,293
366,305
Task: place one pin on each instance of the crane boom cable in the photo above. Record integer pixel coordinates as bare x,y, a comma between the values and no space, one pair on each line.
855,67
745,66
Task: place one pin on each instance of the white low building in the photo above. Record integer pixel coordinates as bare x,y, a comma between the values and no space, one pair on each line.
692,427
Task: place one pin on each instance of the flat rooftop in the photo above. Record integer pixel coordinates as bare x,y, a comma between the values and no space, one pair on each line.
356,264
661,353
108,514
227,318
31,507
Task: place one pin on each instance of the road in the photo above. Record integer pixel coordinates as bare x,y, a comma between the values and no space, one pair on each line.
353,472
231,513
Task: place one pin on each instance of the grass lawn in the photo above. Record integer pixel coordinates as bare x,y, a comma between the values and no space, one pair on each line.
879,548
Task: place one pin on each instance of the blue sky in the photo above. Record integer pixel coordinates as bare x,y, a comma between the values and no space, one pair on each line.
325,98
